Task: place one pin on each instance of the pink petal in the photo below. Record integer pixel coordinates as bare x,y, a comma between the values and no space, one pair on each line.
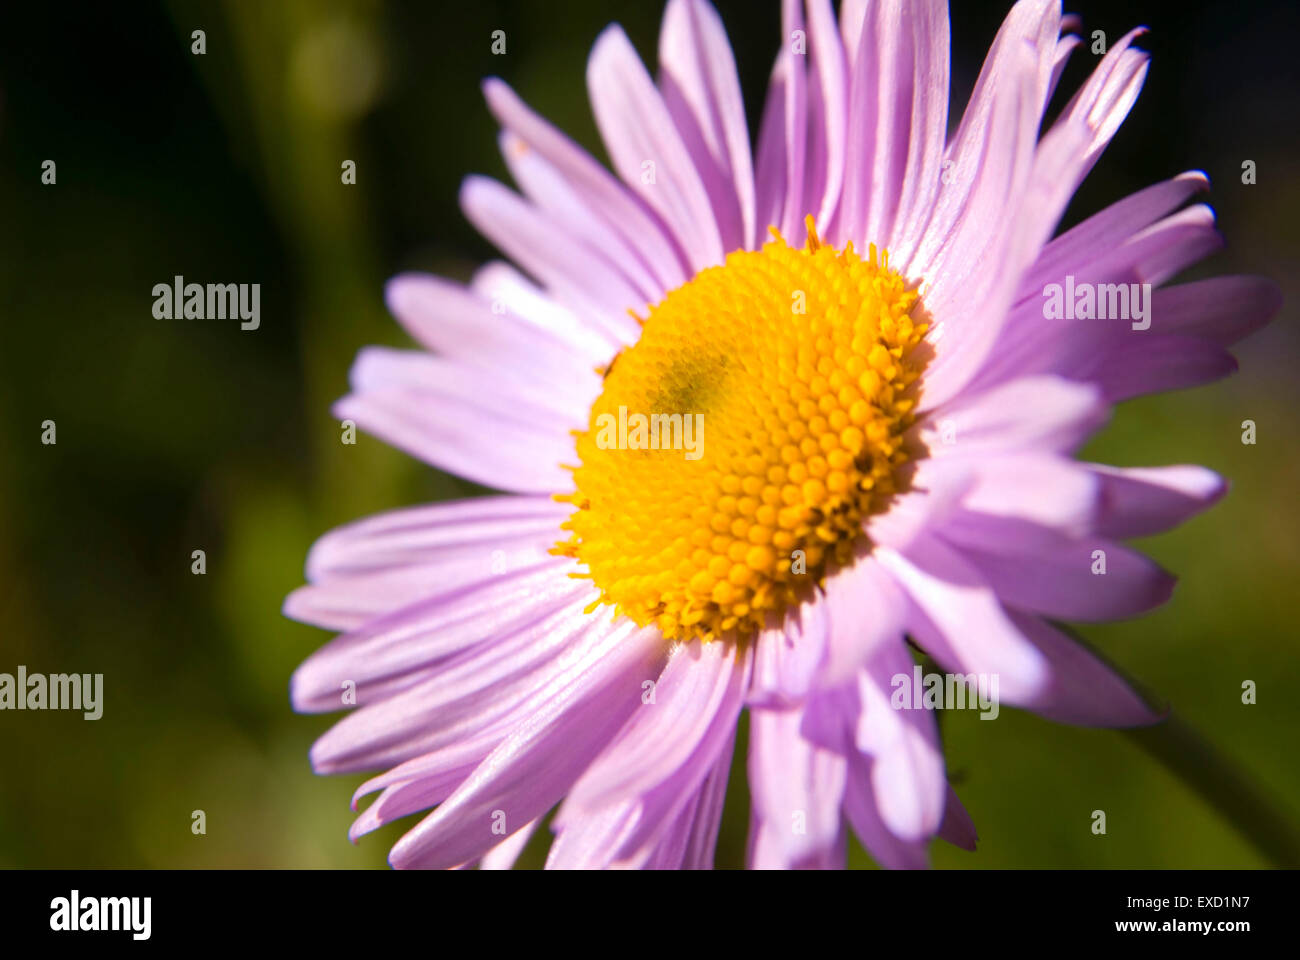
589,841
350,602
597,841
439,774
1140,501
1221,309
500,283
702,93
794,117
611,199
985,149
771,160
1082,690
1046,490
957,619
464,530
583,280
1104,101
898,108
1044,413
638,129
866,610
976,243
863,812
538,762
1059,581
461,323
1162,250
788,657
486,687
958,828
796,788
828,114
439,626
907,777
439,412
505,853
572,213
1158,365
707,821
1102,232
673,739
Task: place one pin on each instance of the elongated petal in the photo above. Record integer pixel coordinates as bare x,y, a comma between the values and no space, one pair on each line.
1027,414
482,689
796,789
674,736
439,626
788,657
702,93
866,609
863,812
1102,232
638,130
907,775
828,117
571,212
957,619
585,281
898,108
505,853
958,828
1088,579
1140,501
460,322
446,431
1221,309
538,762
1082,689
465,530
612,200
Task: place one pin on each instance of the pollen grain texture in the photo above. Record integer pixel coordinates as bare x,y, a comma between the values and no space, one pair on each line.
799,364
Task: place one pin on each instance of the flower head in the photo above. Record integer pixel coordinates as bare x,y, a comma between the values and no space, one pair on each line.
763,419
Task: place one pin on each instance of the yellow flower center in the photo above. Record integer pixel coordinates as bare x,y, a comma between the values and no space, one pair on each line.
737,448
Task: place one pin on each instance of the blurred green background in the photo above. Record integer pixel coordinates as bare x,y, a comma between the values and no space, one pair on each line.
178,435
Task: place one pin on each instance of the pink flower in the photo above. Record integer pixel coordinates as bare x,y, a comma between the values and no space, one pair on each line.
884,449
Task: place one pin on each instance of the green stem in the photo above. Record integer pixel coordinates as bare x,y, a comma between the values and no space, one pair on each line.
1218,780
1223,784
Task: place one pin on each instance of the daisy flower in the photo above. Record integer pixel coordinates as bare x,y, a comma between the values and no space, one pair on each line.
854,315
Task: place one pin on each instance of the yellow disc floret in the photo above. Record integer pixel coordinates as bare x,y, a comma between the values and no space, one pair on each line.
737,448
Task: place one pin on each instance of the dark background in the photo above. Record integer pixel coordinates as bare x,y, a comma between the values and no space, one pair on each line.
178,435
